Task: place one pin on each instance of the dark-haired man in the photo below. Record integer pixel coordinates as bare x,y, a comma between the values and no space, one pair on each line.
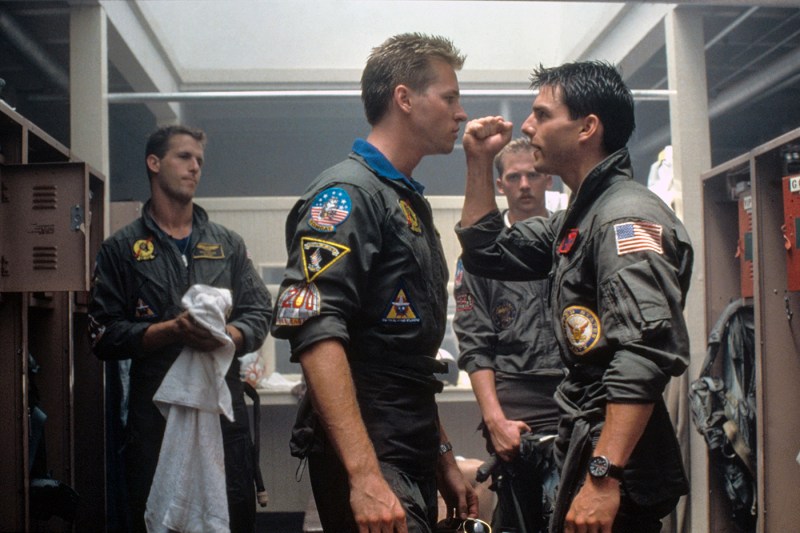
619,264
135,313
364,305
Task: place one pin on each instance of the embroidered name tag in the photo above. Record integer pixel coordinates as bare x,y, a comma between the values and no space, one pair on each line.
205,250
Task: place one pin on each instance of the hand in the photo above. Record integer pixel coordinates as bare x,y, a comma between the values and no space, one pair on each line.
485,137
459,496
193,335
594,508
375,506
505,435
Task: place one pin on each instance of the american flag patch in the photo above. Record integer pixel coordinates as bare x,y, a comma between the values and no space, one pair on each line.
638,237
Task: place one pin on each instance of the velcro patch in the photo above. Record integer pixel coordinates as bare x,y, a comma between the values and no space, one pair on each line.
297,303
143,310
458,279
320,255
329,208
581,328
411,217
638,237
144,250
400,309
503,314
205,250
464,302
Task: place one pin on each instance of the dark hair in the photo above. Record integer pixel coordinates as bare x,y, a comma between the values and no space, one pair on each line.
522,144
158,142
403,59
593,87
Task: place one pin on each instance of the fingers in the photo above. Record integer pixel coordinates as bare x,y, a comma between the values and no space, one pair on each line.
485,127
194,335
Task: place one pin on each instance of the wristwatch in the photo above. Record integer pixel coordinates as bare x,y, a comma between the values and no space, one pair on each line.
600,467
445,447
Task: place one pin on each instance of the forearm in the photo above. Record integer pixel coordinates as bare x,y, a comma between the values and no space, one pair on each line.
159,335
624,426
486,394
479,197
333,395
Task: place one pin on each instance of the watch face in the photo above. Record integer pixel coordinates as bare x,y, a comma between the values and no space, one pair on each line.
598,466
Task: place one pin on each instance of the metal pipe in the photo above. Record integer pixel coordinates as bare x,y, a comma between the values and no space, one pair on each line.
19,38
751,90
129,98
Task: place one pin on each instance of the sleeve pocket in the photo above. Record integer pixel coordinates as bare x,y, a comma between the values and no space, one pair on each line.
633,304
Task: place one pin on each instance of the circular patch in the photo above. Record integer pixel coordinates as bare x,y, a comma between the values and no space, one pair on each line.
503,314
143,250
581,328
329,208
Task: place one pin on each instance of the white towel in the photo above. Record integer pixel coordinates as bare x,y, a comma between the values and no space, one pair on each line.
188,491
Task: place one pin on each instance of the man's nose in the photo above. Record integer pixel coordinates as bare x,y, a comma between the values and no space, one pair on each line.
461,115
529,126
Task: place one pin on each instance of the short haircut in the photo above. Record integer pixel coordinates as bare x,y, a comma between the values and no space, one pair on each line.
523,144
593,87
158,142
404,59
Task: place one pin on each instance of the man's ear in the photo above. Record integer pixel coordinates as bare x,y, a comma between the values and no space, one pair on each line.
591,125
591,129
153,163
402,98
499,184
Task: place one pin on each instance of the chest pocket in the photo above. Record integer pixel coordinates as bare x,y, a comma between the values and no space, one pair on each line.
633,304
151,298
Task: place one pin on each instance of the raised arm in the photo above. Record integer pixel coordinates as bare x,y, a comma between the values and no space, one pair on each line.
483,139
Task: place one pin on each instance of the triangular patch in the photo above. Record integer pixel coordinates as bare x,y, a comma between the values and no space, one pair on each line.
319,255
400,309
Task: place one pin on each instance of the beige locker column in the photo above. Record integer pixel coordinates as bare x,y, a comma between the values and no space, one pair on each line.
88,83
691,148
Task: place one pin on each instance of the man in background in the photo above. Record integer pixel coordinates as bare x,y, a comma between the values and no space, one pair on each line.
364,305
619,264
135,313
507,345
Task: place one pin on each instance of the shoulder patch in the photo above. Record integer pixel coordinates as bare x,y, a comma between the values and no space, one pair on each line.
204,250
638,237
464,302
143,310
329,208
581,328
319,255
297,303
400,309
458,279
144,250
503,314
411,217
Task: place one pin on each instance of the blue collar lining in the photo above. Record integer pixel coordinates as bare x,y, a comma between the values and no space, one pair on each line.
378,162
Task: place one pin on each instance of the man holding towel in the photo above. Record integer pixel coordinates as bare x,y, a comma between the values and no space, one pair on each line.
142,272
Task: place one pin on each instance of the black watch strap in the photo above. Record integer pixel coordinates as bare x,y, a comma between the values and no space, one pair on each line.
600,467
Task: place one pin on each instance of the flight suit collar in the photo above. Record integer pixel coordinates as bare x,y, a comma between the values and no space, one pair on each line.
382,166
616,167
